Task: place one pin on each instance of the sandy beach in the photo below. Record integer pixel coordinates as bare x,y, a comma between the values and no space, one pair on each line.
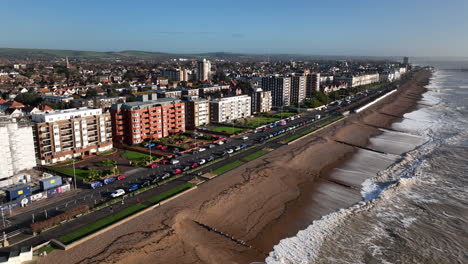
238,217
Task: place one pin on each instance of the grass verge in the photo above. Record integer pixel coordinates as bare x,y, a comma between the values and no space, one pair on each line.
46,249
113,218
169,193
80,173
135,156
254,155
227,167
101,223
310,130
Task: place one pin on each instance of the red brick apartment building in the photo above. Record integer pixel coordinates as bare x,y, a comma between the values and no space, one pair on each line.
136,122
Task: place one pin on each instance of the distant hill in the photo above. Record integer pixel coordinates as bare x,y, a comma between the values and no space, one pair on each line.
13,53
136,54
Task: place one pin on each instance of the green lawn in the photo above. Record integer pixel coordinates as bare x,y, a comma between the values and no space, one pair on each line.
228,130
227,167
110,151
169,193
284,114
47,249
260,121
101,223
80,173
135,156
65,162
254,155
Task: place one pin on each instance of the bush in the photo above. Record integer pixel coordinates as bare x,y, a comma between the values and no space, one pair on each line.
39,226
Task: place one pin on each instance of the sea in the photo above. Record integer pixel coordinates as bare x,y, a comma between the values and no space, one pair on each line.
414,206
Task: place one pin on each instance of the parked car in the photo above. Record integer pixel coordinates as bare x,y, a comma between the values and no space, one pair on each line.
156,179
186,168
164,147
220,143
95,184
117,193
201,149
133,187
165,176
210,158
177,171
243,146
146,183
153,165
202,161
237,148
159,146
194,165
224,153
120,177
175,161
245,137
164,161
109,180
212,146
229,151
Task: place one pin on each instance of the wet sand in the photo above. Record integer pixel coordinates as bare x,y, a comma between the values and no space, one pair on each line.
239,216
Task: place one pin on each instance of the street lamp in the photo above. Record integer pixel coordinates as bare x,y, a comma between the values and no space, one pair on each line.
74,174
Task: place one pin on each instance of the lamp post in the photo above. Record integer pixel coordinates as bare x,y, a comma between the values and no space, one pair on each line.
74,174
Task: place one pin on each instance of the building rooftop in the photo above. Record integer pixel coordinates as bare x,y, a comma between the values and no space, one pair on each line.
56,115
146,104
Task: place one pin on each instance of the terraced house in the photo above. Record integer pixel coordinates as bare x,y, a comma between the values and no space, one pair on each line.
71,133
136,122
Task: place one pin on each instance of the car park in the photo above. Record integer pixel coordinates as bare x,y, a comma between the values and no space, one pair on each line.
117,193
133,187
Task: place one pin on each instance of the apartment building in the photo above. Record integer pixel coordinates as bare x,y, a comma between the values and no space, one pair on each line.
204,70
313,83
280,88
136,122
261,101
71,133
176,74
17,144
298,89
354,81
231,108
197,111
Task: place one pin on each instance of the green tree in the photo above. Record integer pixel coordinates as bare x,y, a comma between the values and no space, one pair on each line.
29,98
91,92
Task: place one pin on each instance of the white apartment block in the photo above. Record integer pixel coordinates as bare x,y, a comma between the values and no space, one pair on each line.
17,145
71,133
203,70
354,81
231,108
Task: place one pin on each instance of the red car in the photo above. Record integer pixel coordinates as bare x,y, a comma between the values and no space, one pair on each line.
164,161
194,165
154,165
177,171
164,147
159,146
120,177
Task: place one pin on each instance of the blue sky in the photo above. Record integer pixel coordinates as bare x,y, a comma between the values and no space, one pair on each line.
357,27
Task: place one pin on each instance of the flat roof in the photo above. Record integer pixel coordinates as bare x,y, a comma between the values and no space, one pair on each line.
146,104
